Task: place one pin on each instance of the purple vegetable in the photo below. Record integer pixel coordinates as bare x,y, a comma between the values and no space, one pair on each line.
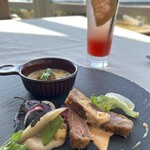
31,111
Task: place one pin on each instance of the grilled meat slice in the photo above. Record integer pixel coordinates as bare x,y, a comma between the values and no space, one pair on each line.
112,122
78,131
118,124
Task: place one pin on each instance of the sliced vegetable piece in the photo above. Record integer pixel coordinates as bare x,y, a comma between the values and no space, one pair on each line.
30,131
105,103
12,144
120,98
103,10
51,129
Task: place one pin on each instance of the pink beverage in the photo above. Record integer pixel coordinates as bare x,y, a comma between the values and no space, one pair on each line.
100,44
99,39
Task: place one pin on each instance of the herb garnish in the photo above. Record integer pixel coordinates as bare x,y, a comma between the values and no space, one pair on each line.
46,74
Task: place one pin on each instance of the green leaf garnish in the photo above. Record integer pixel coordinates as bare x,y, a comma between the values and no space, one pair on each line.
12,144
105,103
50,130
46,74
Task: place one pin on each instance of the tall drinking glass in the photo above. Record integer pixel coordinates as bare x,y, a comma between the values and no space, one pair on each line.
101,15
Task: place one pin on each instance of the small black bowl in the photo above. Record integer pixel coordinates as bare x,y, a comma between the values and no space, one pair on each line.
44,88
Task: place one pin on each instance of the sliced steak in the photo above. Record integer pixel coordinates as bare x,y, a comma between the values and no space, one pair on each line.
78,131
112,122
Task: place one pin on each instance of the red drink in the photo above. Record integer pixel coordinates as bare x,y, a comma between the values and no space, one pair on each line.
100,31
99,48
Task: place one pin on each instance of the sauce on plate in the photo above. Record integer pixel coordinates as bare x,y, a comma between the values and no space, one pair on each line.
100,137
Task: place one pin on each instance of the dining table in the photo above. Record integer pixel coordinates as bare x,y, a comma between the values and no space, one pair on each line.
65,37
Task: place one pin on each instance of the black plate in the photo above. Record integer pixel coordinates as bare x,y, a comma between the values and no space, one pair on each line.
89,81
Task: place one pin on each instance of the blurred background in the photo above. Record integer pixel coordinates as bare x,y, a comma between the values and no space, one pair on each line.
132,14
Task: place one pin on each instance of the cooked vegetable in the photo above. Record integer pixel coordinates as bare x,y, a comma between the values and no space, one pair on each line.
46,74
12,144
44,120
36,112
51,129
107,104
20,115
125,101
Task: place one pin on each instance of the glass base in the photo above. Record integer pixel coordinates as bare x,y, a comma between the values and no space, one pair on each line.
97,62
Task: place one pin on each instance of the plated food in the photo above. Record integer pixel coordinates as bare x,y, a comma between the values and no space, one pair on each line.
79,116
45,77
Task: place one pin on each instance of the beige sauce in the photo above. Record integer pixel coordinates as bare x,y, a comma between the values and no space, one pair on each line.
100,137
35,143
57,73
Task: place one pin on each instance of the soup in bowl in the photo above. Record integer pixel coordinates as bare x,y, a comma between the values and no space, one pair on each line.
45,77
